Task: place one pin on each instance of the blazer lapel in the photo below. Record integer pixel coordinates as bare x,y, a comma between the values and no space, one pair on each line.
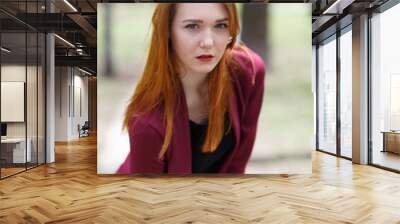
181,155
234,113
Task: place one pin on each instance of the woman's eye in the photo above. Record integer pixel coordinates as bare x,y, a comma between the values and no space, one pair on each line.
221,25
192,26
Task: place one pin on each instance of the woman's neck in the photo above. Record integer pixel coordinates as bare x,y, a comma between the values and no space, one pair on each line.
196,93
194,83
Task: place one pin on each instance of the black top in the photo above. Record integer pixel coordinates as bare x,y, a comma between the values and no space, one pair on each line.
208,162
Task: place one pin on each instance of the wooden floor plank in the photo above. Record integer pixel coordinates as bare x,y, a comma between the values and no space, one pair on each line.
70,191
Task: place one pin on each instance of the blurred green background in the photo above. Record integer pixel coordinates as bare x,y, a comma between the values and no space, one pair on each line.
285,129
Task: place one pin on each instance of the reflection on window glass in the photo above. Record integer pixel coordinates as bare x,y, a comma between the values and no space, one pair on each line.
31,101
327,96
386,89
345,93
394,101
22,93
15,150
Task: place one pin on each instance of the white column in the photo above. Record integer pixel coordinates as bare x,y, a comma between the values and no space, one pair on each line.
50,92
50,100
360,90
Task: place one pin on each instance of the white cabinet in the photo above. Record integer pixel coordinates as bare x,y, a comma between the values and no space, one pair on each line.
18,149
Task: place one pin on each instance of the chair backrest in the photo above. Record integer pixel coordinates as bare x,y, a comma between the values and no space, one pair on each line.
86,125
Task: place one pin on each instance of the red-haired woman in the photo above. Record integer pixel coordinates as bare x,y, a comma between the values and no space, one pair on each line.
196,106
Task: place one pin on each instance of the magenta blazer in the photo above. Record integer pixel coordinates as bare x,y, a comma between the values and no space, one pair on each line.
146,138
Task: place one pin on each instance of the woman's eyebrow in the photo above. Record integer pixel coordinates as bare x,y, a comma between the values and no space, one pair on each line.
192,21
201,21
221,20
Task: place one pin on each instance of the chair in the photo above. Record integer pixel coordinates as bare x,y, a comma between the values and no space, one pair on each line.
84,130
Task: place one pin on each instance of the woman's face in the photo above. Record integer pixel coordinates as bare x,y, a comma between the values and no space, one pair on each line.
200,35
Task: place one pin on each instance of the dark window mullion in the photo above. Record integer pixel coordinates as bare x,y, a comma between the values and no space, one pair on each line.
37,90
317,95
338,98
369,90
26,86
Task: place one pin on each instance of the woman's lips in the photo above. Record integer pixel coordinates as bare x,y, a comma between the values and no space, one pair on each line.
205,57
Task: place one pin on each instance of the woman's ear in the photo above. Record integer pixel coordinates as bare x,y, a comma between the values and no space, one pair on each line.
229,40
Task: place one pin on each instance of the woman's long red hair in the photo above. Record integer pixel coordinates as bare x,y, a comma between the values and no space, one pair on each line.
160,84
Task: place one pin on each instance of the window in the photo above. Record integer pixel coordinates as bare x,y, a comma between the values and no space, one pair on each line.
327,96
346,92
385,89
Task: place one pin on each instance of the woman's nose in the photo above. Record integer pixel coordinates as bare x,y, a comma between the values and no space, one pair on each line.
207,40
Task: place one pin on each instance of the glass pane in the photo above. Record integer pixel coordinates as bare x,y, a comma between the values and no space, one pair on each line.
346,94
386,89
41,98
327,96
31,85
31,99
13,87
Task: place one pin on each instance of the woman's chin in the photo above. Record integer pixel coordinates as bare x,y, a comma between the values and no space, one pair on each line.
204,69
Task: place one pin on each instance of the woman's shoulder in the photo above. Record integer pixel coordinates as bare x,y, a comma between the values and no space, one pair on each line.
147,123
247,66
247,69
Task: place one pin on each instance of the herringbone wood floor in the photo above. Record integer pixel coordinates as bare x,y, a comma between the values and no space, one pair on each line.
70,191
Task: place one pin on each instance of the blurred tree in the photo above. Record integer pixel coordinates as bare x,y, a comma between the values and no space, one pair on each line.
254,28
108,41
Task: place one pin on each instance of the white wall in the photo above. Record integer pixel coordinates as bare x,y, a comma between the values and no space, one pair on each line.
62,80
81,100
12,73
71,94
